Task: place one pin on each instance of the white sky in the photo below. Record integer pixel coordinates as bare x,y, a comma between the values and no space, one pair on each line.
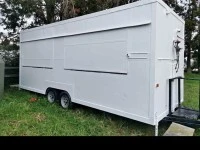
1,28
28,22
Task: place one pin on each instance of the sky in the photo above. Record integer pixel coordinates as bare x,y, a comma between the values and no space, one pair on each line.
1,28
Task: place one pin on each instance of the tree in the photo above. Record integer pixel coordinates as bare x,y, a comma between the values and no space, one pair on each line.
13,19
9,52
196,40
191,23
90,6
188,10
177,5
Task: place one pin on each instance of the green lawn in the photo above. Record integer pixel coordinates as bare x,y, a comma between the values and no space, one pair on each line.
20,117
191,92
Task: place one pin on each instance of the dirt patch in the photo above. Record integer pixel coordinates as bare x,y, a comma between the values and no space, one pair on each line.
32,100
39,117
16,123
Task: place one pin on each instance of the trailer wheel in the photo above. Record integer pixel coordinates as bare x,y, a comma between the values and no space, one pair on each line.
51,95
65,100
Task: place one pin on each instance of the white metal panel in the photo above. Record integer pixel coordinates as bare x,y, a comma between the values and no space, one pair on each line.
100,58
140,40
37,53
34,79
166,33
105,51
126,93
59,45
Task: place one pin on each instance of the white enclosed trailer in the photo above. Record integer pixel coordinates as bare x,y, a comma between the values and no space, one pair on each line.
119,60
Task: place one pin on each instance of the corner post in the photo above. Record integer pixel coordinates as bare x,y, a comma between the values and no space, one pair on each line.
179,92
170,96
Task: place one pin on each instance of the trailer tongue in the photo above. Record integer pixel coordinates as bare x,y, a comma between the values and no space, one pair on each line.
183,115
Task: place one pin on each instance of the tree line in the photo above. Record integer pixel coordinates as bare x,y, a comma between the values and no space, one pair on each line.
15,14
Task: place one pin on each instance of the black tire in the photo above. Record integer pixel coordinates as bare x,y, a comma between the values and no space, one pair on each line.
52,95
65,100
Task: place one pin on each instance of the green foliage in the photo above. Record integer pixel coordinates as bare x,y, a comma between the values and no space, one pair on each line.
188,9
9,51
177,7
13,13
11,58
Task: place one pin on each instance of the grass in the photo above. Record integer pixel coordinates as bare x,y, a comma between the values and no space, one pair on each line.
191,94
21,117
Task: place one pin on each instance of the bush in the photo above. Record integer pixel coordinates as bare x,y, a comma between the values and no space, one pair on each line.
11,58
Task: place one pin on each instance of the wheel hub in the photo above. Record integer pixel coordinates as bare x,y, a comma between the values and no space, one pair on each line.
64,101
51,97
